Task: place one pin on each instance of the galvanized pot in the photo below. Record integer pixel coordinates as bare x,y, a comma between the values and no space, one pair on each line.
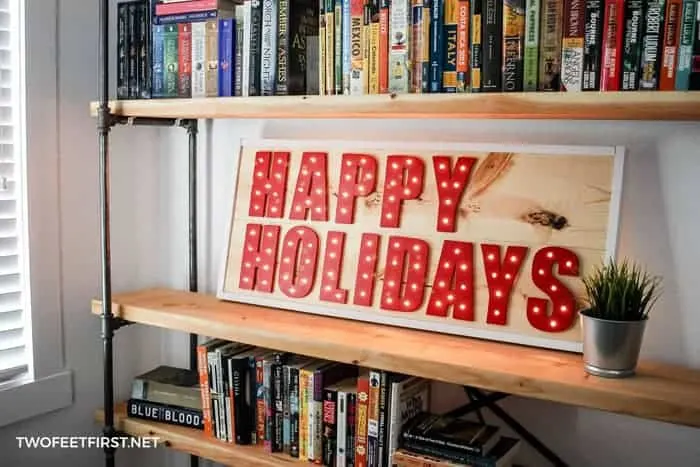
611,348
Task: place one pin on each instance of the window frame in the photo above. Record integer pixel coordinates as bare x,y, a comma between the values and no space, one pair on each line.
48,385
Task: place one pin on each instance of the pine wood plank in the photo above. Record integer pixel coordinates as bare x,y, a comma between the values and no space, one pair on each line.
193,441
667,105
659,391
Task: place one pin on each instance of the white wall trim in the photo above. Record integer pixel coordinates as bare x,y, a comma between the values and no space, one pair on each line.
26,399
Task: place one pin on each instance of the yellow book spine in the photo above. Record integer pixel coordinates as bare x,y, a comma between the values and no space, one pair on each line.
374,58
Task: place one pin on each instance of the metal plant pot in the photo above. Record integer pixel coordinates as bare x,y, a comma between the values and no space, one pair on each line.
611,348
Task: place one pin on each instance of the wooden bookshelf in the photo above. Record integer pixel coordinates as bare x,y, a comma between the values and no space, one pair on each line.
639,105
193,441
660,392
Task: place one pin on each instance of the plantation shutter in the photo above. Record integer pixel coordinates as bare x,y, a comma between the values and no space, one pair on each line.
14,354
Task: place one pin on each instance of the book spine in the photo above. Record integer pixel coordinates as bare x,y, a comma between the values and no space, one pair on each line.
317,432
357,63
322,47
362,411
384,404
373,419
338,46
255,47
232,413
286,411
330,47
268,50
449,37
652,39
437,14
373,51
171,61
144,47
592,48
685,46
572,45
294,412
268,397
199,52
311,451
694,80
475,46
252,399
416,46
122,52
667,75
341,429
492,43
366,43
446,455
242,426
211,79
400,37
632,50
180,416
180,7
550,45
384,46
132,58
283,30
203,370
611,75
245,52
192,17
277,398
513,45
304,391
346,45
351,411
424,51
463,45
261,407
330,400
532,44
184,68
238,49
226,57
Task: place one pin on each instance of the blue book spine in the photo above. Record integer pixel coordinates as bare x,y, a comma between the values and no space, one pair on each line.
186,17
347,52
158,61
226,57
436,37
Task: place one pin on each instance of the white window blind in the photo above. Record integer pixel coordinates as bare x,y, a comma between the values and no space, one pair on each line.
14,338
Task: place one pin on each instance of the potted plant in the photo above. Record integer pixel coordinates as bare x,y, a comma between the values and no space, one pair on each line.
619,298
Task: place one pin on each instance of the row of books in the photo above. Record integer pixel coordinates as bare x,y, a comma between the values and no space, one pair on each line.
315,410
280,47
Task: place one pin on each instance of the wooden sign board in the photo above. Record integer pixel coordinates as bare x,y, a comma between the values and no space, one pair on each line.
488,241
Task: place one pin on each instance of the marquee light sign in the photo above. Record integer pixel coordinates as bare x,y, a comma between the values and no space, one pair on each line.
488,241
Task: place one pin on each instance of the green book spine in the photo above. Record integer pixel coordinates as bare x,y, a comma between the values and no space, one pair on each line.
685,45
171,60
532,44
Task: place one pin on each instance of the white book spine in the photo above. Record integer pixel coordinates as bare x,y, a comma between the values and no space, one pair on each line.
198,59
245,79
341,429
399,40
268,51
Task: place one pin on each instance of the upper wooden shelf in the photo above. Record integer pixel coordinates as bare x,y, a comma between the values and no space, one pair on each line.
658,391
639,105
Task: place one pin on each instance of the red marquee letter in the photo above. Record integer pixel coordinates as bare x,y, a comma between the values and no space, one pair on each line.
358,177
258,259
299,257
403,180
332,264
454,282
366,269
450,187
311,192
269,184
500,278
410,254
563,314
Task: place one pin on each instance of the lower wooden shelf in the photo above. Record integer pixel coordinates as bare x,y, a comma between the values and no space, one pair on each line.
195,442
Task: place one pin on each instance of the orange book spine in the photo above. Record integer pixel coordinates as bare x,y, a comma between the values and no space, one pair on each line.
362,411
462,45
384,47
203,368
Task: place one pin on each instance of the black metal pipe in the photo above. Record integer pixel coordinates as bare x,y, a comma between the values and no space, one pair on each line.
104,124
523,432
191,126
477,405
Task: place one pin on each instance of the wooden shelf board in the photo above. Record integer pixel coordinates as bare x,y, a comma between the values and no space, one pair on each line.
658,391
195,442
638,105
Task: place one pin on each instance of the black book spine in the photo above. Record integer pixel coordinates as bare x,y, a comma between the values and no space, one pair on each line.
592,48
294,412
652,41
277,397
122,52
283,20
492,45
181,416
384,406
448,454
330,402
351,410
242,420
513,45
255,46
437,14
632,44
303,22
286,410
475,45
694,83
144,52
132,57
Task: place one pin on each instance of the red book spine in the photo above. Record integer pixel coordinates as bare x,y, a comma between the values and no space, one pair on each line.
361,411
613,32
667,76
203,367
180,8
383,49
184,60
